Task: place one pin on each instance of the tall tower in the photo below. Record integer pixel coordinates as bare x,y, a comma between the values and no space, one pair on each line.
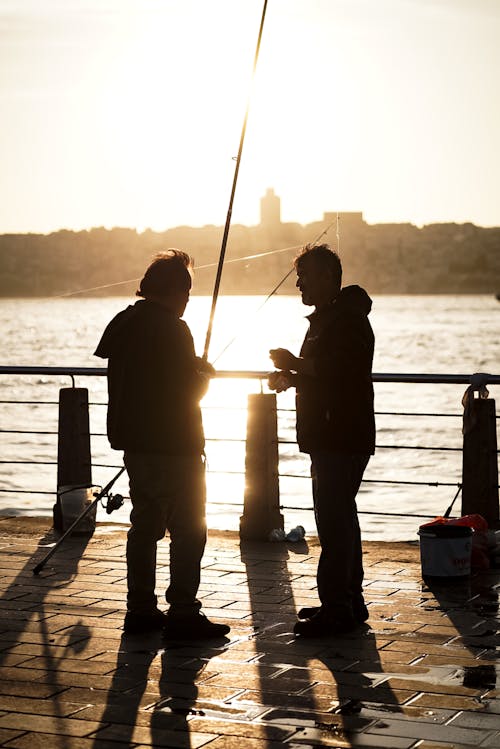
270,210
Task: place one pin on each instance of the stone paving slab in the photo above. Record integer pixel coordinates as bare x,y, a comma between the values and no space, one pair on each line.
422,673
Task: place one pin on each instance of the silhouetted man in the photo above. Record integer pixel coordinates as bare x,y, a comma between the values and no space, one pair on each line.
155,384
336,426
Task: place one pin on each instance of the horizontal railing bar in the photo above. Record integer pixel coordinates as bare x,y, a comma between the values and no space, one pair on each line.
450,379
33,403
415,413
369,512
207,439
224,472
25,491
23,431
234,408
29,462
389,413
390,447
379,481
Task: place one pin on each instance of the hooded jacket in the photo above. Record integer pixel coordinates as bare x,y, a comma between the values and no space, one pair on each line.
154,386
335,407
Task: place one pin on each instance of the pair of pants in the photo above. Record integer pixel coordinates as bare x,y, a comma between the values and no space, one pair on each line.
168,494
336,478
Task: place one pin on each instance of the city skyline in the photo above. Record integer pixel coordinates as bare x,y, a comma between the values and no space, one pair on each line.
129,113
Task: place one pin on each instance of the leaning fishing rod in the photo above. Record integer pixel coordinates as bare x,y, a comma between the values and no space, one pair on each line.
113,503
231,199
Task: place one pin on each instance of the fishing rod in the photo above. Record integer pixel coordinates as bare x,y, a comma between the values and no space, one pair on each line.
231,199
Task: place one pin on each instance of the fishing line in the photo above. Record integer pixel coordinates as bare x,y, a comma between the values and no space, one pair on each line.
273,292
205,266
95,288
255,256
233,190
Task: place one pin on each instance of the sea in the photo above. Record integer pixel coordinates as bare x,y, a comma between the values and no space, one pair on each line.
413,475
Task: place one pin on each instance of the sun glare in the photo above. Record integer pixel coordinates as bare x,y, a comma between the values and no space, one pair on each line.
171,112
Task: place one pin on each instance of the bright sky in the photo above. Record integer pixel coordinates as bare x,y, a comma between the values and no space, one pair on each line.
129,112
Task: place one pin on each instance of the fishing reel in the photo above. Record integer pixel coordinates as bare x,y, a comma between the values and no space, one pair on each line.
114,502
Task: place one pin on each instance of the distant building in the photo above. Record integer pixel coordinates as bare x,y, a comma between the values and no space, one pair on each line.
270,210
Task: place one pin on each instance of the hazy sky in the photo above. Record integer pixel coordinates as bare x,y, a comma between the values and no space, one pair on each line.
129,112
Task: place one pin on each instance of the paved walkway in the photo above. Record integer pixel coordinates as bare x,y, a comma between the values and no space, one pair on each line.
422,674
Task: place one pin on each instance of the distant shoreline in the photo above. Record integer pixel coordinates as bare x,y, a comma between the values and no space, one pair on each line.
384,258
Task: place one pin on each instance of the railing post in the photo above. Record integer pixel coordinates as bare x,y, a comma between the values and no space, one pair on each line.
74,465
480,461
261,511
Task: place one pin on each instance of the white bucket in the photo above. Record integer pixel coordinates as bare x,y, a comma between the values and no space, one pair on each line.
445,550
73,500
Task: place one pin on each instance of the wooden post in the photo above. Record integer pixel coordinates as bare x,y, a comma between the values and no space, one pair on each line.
480,463
261,511
74,465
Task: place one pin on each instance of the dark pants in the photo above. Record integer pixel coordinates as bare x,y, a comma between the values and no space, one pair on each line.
167,493
336,478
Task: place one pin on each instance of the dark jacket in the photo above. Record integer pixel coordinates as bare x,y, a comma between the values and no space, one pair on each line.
154,386
335,408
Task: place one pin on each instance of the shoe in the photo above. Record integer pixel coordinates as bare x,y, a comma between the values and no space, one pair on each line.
196,627
136,624
325,625
360,612
308,612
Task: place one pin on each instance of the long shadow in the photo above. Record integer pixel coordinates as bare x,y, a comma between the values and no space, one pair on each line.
26,619
269,583
153,692
471,605
316,687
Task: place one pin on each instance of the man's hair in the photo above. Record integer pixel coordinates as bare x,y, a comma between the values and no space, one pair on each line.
324,256
168,272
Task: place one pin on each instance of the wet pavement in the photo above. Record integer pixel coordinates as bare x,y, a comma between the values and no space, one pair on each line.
424,671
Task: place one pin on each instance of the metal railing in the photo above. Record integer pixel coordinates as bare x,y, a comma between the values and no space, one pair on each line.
285,420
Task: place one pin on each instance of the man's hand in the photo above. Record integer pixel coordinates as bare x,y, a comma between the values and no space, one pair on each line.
283,359
204,367
278,381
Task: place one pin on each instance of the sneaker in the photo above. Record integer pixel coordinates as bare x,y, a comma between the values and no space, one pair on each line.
360,612
196,627
136,624
325,625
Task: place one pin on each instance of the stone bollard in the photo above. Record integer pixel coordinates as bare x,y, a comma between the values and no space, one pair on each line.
74,463
261,511
480,459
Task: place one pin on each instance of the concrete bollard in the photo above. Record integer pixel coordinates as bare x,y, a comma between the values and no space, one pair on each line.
74,464
261,511
480,462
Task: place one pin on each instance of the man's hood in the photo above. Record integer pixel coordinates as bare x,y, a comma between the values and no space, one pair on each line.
115,333
354,297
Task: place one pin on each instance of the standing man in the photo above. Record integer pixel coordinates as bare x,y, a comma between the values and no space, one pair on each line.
336,426
155,384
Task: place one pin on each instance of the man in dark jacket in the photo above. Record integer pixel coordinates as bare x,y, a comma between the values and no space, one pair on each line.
336,426
155,384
